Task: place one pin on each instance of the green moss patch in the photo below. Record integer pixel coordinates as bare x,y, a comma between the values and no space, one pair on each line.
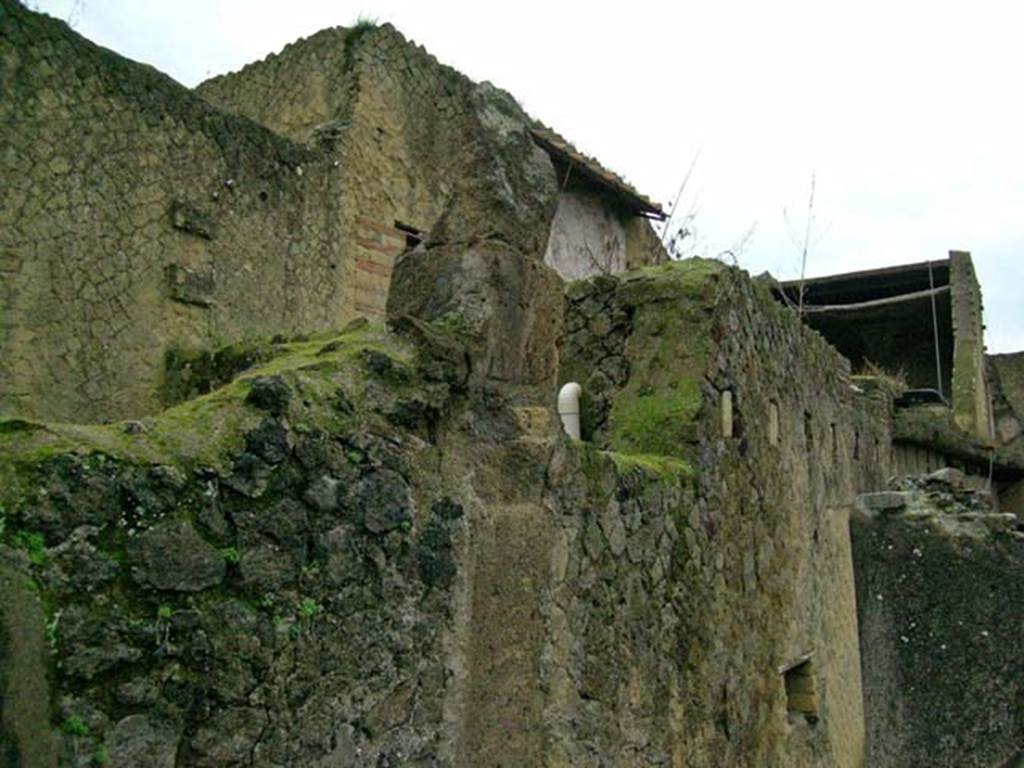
204,430
659,423
189,373
640,344
692,276
665,468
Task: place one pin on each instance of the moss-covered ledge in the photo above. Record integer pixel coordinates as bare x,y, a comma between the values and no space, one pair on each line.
205,430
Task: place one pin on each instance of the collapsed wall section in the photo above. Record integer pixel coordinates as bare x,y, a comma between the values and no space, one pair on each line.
134,218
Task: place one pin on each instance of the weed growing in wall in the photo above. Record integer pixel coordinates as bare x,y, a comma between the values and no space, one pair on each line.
32,544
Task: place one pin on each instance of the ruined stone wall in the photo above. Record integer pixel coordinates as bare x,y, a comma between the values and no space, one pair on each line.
940,585
402,153
324,90
135,218
303,93
410,135
1006,377
646,344
971,407
415,140
761,575
1006,380
173,225
369,551
246,581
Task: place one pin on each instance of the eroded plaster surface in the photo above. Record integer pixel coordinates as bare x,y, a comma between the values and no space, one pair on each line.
586,237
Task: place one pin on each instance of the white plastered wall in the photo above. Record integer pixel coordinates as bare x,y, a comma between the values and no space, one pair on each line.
586,238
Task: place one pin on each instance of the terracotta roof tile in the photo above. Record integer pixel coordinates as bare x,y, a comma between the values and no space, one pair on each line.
561,148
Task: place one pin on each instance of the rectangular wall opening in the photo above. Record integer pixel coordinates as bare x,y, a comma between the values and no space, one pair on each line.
801,695
413,236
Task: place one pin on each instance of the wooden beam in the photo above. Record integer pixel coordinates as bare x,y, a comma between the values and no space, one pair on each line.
902,298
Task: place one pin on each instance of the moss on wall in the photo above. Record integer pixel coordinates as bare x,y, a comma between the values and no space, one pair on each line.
761,572
369,547
645,332
235,546
656,423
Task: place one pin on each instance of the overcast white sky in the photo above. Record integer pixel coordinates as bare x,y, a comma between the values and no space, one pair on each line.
909,114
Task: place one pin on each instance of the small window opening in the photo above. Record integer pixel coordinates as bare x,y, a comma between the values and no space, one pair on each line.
801,696
773,423
835,438
727,424
856,445
808,430
413,236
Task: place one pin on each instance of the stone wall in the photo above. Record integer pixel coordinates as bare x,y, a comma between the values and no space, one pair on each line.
145,221
940,585
239,581
379,549
1006,379
135,218
303,93
407,131
762,577
1006,376
416,142
366,552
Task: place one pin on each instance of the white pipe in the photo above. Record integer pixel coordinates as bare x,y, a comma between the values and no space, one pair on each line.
569,408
